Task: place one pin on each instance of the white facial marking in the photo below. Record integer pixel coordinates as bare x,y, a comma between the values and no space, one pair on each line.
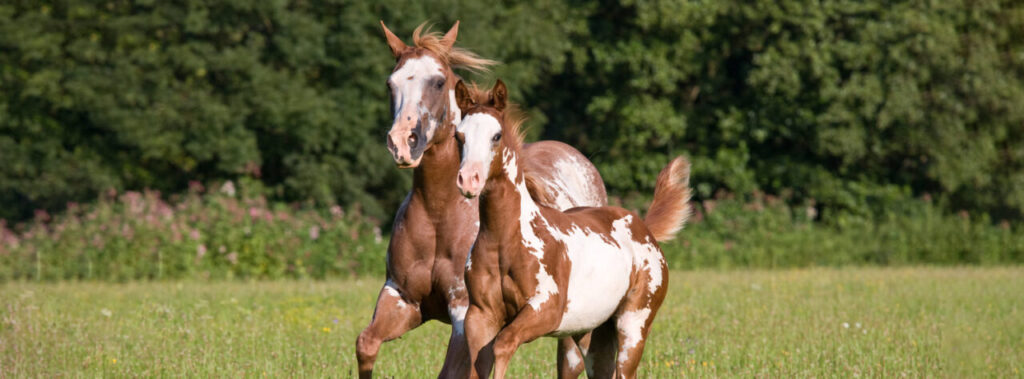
478,129
408,93
573,358
631,324
391,290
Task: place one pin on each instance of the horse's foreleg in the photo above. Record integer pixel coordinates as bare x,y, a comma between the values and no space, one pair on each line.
392,317
480,331
456,361
528,325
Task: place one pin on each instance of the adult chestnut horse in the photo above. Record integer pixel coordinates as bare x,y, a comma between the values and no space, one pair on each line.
435,226
538,271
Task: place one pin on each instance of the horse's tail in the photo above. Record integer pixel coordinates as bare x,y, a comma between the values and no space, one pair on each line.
671,205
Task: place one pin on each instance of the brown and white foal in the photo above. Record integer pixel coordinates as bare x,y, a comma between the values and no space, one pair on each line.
435,226
537,271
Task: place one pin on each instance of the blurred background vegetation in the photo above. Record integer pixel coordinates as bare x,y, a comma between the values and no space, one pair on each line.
822,133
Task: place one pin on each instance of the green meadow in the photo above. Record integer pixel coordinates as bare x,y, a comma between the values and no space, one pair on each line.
876,322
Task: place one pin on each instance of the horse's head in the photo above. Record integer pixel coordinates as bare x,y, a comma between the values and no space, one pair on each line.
422,95
489,137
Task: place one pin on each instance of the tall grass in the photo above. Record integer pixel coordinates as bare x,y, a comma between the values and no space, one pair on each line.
233,232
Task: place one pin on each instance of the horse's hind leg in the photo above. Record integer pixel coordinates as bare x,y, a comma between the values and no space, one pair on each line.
391,318
570,355
600,357
633,324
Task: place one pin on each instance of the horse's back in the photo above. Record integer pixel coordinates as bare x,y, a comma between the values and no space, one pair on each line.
561,177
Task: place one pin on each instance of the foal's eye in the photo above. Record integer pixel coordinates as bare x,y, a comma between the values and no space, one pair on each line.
497,137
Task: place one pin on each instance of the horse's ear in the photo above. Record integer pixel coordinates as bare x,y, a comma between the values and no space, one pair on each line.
499,96
449,38
463,98
395,43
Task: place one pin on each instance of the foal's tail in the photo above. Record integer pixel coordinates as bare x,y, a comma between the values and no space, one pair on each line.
671,205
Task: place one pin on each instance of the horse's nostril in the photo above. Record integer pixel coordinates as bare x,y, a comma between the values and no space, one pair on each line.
412,140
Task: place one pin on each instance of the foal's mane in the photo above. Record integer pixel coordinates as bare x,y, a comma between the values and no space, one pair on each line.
424,38
512,118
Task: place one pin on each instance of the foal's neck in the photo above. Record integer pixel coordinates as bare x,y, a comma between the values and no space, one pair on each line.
505,200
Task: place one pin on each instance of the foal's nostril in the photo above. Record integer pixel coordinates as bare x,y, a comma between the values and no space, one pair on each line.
412,140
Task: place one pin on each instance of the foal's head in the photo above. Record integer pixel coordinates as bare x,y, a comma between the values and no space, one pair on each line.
421,85
489,135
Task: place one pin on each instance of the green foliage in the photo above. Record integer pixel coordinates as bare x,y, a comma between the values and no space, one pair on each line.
815,97
766,233
231,232
144,94
227,233
855,108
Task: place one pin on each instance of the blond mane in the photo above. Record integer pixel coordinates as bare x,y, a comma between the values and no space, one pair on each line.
424,38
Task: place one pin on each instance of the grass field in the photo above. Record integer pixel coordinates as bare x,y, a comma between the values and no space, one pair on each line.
946,322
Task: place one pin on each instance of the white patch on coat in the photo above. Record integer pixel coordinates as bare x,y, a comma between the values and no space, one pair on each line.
598,281
631,325
572,358
646,255
571,185
529,211
478,129
511,165
391,290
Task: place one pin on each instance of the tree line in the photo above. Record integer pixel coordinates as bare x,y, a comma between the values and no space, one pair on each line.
850,106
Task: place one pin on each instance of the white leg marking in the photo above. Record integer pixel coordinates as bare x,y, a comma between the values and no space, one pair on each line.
631,324
572,358
391,289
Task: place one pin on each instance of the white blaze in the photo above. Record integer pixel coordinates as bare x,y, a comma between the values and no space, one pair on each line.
478,129
408,83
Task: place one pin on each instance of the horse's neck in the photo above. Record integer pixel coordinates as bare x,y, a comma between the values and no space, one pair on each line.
504,202
434,180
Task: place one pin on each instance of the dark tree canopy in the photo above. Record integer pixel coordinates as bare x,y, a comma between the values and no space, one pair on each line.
849,103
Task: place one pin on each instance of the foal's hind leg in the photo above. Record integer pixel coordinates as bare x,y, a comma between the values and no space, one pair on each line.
600,357
633,324
391,318
570,355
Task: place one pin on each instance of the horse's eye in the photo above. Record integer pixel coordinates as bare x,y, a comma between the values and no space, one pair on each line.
497,137
439,84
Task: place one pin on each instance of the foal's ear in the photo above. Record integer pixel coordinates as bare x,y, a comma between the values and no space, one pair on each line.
449,38
395,43
463,98
499,96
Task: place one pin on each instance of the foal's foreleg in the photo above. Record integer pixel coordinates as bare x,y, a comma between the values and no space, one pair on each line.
528,325
392,317
481,327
